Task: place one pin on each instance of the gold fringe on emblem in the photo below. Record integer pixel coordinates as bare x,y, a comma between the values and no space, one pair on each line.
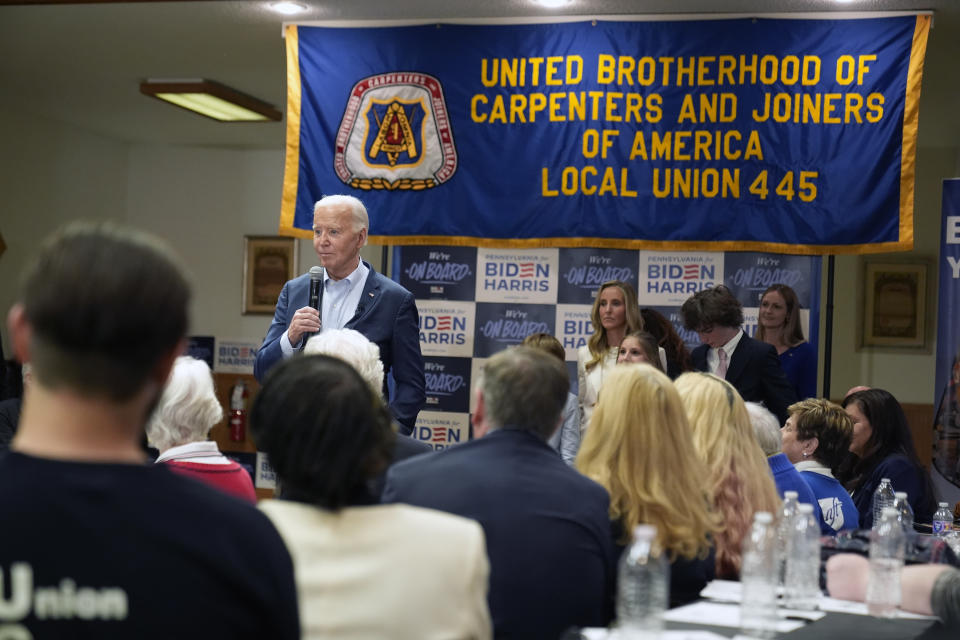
402,184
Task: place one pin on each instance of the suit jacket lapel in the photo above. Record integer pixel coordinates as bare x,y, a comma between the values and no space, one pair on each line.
368,298
739,359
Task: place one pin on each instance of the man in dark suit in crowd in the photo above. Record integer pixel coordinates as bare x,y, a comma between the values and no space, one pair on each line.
547,527
753,367
354,297
113,547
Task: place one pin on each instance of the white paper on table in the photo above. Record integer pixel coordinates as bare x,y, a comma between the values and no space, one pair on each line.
722,590
860,609
719,615
599,633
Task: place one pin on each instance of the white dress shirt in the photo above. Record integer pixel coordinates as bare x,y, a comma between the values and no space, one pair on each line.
713,359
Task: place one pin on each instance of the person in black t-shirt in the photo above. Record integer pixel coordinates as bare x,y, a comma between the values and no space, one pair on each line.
95,543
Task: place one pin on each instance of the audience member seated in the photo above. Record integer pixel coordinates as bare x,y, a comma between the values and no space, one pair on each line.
615,313
547,527
778,323
736,476
178,429
566,439
929,589
10,411
359,352
640,346
751,366
674,349
121,548
816,439
639,428
786,477
363,570
882,447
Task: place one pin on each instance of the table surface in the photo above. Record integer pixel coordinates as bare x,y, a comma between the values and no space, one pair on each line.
847,626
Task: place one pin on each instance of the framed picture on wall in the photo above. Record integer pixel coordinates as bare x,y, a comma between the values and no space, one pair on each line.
268,262
895,304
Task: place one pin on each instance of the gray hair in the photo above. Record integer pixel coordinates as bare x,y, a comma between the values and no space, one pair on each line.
525,388
359,212
766,427
188,407
353,348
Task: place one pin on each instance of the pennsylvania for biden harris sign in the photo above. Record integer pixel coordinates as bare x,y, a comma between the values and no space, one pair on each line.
763,134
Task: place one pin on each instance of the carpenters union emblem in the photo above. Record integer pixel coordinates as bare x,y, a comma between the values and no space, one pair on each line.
395,134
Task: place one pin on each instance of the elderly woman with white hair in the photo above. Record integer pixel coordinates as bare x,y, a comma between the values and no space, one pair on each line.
187,411
786,477
363,355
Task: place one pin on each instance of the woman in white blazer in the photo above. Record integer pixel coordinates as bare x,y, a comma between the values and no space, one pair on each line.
615,313
363,569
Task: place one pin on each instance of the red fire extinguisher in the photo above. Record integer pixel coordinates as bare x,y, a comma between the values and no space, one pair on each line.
238,411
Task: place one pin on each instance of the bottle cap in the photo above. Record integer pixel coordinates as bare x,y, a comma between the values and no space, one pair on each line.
790,494
945,505
763,516
885,480
901,494
644,532
805,508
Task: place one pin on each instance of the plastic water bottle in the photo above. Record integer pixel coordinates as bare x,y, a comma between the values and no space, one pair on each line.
758,579
887,543
884,496
942,520
802,586
904,513
787,515
643,586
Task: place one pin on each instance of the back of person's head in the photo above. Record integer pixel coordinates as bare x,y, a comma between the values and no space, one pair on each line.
738,476
353,348
829,424
766,427
713,307
526,389
105,305
188,407
667,337
546,342
638,429
326,432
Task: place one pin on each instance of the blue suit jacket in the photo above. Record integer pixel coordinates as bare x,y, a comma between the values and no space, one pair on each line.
756,373
547,528
386,315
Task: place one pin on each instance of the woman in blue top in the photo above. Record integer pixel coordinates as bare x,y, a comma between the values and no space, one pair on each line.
778,323
816,439
882,447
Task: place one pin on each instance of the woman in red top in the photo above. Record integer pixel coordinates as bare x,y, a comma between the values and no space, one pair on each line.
187,411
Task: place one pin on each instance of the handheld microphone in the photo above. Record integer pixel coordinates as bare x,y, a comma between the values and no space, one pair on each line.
316,286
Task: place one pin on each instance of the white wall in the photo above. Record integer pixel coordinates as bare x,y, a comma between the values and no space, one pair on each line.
50,173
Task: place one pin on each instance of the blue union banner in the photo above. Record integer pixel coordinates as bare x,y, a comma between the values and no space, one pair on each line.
779,135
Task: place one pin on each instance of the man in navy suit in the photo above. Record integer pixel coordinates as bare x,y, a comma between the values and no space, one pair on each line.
547,527
354,297
753,367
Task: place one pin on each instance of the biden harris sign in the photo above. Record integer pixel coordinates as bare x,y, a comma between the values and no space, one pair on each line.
707,135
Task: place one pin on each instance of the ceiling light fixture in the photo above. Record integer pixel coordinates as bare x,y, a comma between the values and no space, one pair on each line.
288,8
211,99
553,4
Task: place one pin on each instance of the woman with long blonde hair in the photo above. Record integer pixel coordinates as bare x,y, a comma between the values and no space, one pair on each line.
738,477
639,428
615,313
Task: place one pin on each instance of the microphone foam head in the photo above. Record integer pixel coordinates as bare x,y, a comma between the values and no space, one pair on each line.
316,273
